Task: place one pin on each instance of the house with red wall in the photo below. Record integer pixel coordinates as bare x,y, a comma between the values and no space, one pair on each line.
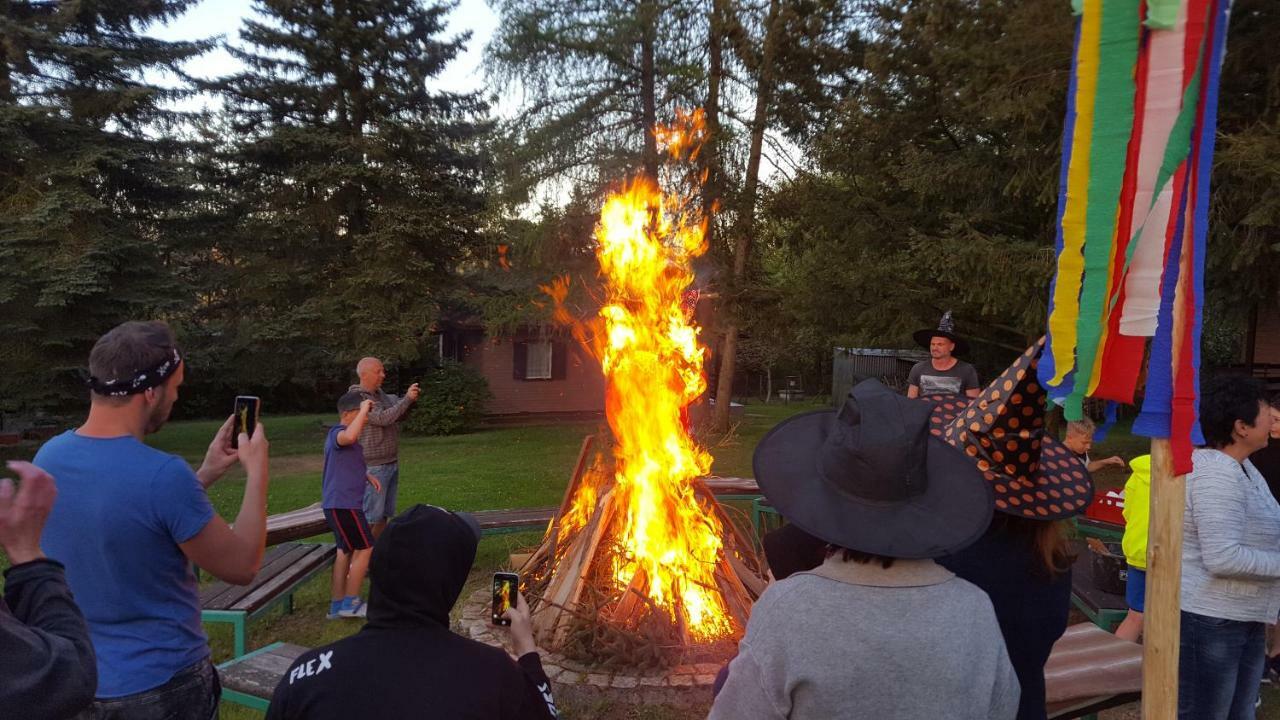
532,371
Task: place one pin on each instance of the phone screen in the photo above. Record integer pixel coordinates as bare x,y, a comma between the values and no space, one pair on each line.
505,586
246,414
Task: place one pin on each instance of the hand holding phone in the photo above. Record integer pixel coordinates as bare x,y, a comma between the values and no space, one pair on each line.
505,587
246,417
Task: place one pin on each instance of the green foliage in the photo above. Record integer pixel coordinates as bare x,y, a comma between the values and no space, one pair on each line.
94,186
936,182
452,401
597,77
351,192
1244,242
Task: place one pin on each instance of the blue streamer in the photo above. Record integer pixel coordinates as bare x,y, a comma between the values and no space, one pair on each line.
1208,137
1046,369
1109,422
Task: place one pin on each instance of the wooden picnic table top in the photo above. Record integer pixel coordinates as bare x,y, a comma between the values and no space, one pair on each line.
282,566
258,673
1091,669
309,521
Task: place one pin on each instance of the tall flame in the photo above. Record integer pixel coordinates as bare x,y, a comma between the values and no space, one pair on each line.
648,348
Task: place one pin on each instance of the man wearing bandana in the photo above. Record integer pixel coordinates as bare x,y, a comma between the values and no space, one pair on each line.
130,520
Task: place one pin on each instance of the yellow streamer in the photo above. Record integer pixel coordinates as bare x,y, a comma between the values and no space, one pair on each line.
1066,295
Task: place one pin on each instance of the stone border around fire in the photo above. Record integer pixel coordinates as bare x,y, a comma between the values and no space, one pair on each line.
681,684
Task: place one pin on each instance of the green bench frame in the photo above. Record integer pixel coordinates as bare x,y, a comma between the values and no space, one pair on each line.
284,569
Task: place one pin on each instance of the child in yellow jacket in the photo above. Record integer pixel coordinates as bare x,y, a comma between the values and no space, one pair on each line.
1137,518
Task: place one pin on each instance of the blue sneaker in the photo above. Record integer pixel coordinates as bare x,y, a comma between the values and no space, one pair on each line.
335,606
357,609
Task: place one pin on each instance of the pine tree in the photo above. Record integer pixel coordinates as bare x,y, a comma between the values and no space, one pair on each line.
595,79
92,184
354,189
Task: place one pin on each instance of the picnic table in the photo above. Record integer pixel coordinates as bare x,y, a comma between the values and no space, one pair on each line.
309,521
1089,670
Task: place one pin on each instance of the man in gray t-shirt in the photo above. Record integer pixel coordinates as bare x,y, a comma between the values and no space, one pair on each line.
955,377
942,373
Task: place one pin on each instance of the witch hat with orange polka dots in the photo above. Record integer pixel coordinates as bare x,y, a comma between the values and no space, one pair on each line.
1002,431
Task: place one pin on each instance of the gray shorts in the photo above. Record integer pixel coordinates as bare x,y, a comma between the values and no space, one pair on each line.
381,505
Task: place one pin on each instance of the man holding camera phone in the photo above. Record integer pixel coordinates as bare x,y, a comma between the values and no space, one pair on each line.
381,440
131,520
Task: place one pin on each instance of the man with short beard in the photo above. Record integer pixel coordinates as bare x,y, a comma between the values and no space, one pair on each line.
942,373
130,520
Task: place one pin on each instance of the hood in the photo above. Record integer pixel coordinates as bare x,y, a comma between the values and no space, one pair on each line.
1141,467
419,566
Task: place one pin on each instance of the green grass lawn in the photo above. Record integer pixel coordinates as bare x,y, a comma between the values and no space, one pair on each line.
490,469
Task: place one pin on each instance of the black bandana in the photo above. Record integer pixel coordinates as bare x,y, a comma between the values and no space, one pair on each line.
144,380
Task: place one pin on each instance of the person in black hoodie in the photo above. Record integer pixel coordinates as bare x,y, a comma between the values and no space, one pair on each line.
47,665
406,662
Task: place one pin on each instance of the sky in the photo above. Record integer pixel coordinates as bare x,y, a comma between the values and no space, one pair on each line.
223,17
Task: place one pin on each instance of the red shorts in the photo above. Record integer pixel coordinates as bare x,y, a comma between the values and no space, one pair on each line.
350,528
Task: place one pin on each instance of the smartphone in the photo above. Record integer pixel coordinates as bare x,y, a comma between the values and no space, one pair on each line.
505,587
246,413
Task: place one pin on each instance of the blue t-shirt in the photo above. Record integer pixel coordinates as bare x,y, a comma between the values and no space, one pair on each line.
344,473
122,510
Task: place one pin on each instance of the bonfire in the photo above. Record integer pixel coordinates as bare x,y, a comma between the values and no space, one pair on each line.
641,566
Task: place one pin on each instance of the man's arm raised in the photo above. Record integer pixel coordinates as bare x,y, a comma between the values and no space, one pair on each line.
390,415
234,553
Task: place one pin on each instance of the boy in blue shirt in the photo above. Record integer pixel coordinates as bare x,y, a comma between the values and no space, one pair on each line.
343,491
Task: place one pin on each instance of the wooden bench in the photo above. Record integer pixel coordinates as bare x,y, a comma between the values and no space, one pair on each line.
309,521
250,680
284,568
1091,670
1088,671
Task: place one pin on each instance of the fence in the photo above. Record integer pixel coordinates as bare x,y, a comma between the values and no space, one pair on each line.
850,366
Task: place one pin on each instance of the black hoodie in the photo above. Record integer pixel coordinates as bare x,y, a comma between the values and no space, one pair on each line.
47,666
406,662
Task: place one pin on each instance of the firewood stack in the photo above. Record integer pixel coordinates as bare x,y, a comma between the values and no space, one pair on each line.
578,604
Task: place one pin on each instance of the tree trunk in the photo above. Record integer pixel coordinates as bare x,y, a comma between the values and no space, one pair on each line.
746,216
711,187
768,398
648,86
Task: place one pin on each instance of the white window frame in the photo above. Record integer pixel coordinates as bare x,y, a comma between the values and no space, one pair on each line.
538,360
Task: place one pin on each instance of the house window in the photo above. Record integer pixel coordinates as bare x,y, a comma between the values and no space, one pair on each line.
538,361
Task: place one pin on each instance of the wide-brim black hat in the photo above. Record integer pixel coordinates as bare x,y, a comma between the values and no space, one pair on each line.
870,477
947,329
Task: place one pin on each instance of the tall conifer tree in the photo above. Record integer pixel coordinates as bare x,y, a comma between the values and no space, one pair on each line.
92,185
355,187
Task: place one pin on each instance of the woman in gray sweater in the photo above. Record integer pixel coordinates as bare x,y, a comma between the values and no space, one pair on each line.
879,630
1230,557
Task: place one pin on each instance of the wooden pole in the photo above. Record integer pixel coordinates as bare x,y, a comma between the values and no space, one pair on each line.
1162,619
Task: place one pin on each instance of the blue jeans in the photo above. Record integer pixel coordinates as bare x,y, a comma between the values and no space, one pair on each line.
192,694
1219,668
381,505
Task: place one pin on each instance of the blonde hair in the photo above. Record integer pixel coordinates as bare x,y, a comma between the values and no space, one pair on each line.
1083,426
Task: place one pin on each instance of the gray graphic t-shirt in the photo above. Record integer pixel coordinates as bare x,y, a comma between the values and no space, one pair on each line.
953,381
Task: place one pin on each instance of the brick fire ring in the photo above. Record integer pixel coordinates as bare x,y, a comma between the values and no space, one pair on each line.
682,685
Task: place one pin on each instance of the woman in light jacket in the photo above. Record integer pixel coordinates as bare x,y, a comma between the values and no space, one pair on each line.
1230,557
